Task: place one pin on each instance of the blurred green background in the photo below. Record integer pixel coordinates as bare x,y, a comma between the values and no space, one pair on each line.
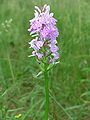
21,92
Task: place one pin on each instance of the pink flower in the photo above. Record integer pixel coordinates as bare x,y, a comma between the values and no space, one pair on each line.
43,26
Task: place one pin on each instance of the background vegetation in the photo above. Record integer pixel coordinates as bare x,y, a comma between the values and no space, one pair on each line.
21,91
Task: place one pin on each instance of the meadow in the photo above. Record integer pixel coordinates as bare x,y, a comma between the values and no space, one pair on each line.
22,94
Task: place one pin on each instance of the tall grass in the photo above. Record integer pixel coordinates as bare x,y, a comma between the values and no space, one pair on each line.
21,91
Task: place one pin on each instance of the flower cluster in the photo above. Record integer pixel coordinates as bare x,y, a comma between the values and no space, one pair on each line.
43,29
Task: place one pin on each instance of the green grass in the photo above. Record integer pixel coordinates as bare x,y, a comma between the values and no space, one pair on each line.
21,92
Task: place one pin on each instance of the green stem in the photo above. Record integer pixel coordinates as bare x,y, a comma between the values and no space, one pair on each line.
47,93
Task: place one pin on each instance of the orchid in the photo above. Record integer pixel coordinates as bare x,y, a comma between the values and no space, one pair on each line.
43,27
44,44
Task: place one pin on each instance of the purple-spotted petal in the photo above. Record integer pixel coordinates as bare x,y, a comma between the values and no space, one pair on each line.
39,55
